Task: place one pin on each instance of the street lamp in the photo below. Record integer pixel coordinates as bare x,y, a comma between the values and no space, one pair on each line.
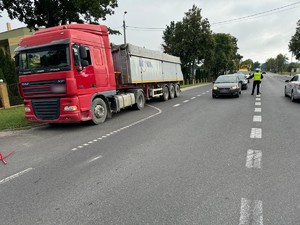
124,27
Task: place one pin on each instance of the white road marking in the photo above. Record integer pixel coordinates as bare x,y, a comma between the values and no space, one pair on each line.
207,91
186,101
251,212
176,105
15,176
256,133
199,95
120,129
258,96
258,99
193,97
254,159
94,159
257,110
203,93
257,118
257,103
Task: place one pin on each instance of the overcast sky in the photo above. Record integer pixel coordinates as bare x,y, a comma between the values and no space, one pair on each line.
260,37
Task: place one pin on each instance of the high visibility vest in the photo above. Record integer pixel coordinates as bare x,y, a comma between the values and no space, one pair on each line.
257,76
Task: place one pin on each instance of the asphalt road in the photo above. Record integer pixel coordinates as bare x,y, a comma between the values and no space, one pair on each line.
190,160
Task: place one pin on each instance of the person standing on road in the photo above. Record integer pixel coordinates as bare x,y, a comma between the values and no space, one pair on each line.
257,76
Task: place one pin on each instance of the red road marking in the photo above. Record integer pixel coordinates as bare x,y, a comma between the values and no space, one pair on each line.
2,158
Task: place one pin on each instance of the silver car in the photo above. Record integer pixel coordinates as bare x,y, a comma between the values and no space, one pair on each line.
292,88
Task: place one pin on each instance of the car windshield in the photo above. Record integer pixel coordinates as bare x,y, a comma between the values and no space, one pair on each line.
226,79
241,76
45,59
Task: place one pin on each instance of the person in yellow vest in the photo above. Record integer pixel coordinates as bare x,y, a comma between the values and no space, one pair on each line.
257,76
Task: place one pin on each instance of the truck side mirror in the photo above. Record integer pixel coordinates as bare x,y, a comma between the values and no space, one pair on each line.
82,52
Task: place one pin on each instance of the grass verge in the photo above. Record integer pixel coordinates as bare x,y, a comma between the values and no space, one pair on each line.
13,118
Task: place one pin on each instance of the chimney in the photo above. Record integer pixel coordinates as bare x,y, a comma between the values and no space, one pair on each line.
8,26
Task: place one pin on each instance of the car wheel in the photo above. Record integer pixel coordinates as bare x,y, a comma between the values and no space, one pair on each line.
292,96
285,94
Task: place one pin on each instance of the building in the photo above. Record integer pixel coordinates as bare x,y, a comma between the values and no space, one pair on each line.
10,39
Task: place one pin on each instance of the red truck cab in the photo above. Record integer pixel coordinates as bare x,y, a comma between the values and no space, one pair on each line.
61,69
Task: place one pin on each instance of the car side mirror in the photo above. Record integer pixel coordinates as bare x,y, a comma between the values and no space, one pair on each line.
286,81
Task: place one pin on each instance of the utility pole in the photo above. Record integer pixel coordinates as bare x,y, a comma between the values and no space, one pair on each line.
124,27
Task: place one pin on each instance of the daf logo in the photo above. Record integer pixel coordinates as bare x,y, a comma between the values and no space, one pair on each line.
25,84
60,81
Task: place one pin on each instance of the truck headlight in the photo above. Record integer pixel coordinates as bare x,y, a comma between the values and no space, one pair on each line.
70,108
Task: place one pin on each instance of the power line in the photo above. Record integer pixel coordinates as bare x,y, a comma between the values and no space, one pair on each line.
240,19
264,13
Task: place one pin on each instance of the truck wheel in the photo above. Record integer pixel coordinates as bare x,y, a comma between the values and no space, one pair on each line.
140,100
99,110
172,91
165,95
177,90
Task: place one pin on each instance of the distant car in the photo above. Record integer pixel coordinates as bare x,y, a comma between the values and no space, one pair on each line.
242,80
226,85
264,72
246,73
292,88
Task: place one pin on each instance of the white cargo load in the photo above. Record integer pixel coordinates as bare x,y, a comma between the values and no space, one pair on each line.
139,65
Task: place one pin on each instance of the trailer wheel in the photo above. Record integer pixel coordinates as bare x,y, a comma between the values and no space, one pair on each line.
140,100
99,110
172,91
165,95
177,90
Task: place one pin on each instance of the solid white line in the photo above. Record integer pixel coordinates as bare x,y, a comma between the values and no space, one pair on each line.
257,110
15,176
256,133
257,103
94,159
186,101
251,212
257,118
176,105
193,97
254,159
258,99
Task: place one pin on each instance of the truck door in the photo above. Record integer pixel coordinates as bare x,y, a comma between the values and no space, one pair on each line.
84,74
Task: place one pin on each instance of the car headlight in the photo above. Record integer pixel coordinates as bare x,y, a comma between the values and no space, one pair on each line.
215,88
234,88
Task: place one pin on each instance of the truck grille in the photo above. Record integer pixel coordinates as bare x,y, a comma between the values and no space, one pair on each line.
46,109
40,88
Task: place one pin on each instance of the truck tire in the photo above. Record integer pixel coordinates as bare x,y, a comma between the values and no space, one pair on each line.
140,100
172,91
165,95
99,111
177,90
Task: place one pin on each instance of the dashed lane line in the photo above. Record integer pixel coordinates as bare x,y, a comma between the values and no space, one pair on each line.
118,130
257,110
185,101
256,133
251,212
253,159
15,176
257,118
176,105
257,103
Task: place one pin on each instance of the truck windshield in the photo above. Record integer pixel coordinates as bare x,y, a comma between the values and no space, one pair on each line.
45,59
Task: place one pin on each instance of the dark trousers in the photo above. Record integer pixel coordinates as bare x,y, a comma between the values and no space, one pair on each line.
256,83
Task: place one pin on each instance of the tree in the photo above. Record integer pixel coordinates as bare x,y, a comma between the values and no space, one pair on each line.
256,65
281,61
189,39
271,65
226,57
7,69
49,13
294,45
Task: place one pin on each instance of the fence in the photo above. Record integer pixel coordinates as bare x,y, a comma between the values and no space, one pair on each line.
10,92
